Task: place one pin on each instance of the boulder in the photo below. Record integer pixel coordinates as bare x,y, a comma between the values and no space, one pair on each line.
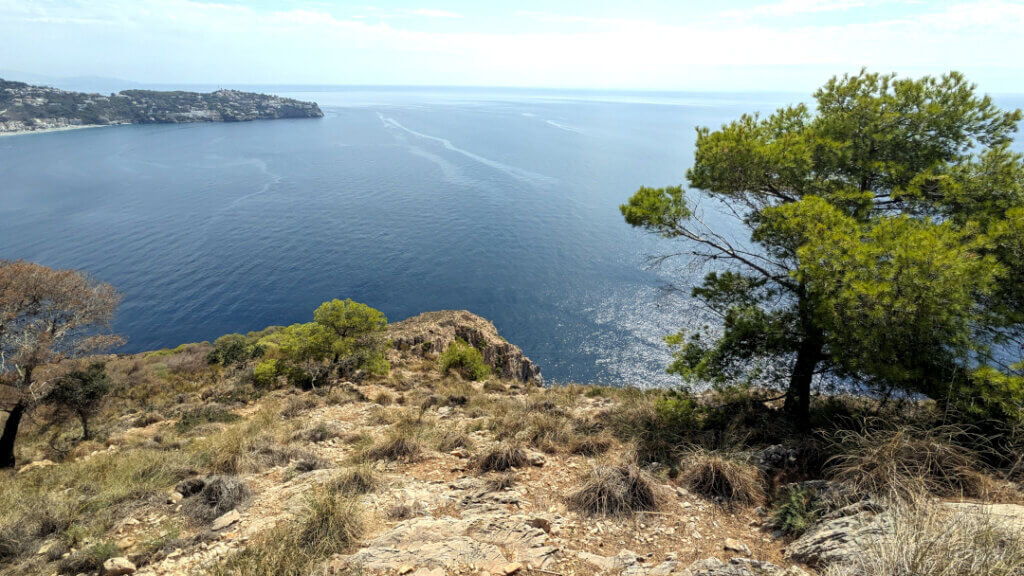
734,545
432,332
226,520
840,535
117,567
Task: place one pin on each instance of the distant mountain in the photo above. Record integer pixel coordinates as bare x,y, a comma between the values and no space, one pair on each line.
24,107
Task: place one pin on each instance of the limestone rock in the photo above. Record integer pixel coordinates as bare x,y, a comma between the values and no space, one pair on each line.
474,540
117,567
432,332
739,567
840,535
36,465
1007,516
226,520
734,545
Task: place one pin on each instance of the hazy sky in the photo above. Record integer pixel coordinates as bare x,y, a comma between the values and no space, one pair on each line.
781,45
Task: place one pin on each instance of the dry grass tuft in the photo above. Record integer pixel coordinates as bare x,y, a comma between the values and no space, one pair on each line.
926,540
617,490
330,524
723,475
901,463
499,482
396,447
501,458
591,445
219,495
356,480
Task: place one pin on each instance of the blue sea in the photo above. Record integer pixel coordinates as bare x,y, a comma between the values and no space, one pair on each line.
502,202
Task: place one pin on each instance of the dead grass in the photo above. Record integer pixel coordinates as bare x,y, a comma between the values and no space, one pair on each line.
925,540
900,463
502,457
219,495
722,475
356,480
331,523
396,447
618,490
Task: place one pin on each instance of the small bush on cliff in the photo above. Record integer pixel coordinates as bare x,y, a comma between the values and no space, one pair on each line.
345,337
265,373
464,359
80,392
232,349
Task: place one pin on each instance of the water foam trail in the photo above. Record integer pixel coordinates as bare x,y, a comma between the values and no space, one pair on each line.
565,127
517,173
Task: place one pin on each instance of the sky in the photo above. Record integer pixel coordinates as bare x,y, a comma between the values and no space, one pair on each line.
740,45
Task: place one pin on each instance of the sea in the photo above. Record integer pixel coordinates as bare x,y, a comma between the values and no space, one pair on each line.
503,202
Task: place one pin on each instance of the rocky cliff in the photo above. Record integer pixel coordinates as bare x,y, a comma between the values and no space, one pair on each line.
28,108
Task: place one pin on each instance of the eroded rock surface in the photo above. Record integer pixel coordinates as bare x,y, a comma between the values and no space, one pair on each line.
432,332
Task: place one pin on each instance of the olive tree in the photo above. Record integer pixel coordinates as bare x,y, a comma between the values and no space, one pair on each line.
46,316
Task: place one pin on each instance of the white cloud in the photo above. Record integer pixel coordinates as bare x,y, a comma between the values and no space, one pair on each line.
188,41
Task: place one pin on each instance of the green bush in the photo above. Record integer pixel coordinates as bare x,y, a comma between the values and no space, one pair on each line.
265,373
80,392
464,359
797,510
204,415
231,349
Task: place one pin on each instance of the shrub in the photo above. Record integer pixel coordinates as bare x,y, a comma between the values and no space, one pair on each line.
724,475
501,458
797,510
80,392
615,491
906,461
265,373
204,415
231,349
464,359
90,559
658,425
219,495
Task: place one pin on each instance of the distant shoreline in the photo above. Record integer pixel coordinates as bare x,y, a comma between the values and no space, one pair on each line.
56,129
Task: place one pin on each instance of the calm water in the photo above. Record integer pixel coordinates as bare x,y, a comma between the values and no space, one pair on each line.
502,203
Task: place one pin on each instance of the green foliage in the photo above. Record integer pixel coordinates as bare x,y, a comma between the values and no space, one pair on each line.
80,392
886,243
345,336
232,349
797,510
265,373
208,414
464,359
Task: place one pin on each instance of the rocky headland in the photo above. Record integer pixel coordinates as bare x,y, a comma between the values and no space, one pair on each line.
26,108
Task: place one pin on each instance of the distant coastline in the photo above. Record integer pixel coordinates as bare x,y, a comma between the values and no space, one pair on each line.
53,129
29,109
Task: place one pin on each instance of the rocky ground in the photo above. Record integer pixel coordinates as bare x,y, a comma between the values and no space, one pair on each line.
435,511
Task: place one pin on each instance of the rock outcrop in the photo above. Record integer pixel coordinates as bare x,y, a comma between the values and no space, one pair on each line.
840,535
432,332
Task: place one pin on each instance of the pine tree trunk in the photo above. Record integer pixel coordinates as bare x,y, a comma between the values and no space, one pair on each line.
9,434
85,425
809,354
